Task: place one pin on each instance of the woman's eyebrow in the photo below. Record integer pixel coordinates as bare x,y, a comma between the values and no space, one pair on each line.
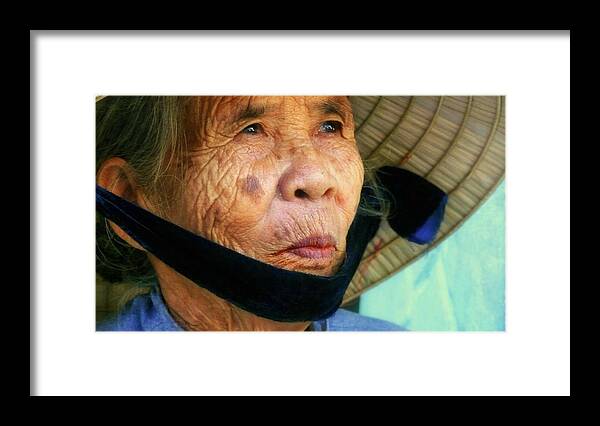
332,107
249,112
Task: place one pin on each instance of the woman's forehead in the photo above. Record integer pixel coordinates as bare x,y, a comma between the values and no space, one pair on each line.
242,107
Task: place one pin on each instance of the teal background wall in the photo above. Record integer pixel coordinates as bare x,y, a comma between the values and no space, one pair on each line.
458,286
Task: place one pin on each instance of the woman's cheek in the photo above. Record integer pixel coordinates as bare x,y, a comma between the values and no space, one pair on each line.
349,171
240,215
229,191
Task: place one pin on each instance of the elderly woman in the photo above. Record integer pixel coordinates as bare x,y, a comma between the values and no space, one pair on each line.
275,182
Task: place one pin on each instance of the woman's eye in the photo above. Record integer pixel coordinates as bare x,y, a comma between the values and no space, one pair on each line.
330,127
252,129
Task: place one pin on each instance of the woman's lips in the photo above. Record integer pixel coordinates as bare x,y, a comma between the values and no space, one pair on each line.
313,252
314,247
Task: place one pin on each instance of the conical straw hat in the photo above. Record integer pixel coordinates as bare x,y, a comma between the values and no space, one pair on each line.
455,142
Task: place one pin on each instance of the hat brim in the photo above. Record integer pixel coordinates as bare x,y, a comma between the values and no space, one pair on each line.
456,142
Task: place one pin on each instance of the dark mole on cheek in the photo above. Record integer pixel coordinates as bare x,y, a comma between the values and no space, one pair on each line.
252,186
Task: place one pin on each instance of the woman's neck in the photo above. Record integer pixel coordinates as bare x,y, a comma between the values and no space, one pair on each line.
196,309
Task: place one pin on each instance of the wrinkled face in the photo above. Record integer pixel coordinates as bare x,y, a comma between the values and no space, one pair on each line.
275,178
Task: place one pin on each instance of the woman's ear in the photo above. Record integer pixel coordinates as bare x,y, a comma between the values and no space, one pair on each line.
116,176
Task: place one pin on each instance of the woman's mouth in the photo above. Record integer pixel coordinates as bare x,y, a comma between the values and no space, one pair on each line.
313,252
314,247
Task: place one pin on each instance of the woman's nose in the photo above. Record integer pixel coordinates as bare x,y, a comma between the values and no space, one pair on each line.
309,180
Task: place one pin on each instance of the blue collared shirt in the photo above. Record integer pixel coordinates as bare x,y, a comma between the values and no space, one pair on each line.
148,312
